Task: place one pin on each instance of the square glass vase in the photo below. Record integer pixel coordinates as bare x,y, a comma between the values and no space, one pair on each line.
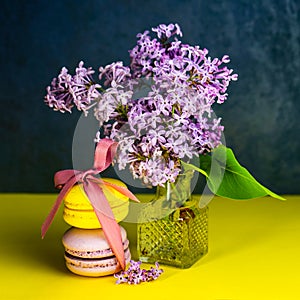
172,236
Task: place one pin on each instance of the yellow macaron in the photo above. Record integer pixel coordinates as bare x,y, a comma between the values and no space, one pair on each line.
78,211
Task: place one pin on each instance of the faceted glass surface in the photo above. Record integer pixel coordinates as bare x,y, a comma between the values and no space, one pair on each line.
179,239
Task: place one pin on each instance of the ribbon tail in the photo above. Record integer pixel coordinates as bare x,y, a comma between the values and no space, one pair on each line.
66,188
107,220
121,190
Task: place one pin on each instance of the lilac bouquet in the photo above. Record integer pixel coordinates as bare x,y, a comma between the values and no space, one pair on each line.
159,110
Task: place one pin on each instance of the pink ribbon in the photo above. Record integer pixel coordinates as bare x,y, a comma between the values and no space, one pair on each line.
66,179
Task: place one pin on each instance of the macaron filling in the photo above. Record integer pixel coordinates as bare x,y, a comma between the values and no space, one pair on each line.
96,254
94,259
95,266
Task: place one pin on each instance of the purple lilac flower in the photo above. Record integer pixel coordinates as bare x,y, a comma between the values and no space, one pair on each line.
155,170
155,272
83,89
135,275
112,105
114,73
58,95
171,121
164,128
166,31
181,63
67,90
121,278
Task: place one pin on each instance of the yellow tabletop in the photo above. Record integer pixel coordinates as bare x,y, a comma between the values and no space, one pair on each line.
254,253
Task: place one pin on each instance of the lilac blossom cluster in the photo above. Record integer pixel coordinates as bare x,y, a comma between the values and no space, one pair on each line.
135,275
168,122
67,91
172,123
166,56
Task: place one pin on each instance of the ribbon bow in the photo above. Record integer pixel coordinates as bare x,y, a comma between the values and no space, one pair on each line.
66,179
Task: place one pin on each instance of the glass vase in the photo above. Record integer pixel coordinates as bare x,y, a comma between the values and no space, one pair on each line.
172,228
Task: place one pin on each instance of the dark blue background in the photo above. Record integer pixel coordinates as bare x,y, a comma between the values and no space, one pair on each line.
261,116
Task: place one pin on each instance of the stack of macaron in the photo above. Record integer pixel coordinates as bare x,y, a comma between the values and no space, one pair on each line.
87,251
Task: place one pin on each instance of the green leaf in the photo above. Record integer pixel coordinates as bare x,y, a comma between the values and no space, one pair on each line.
227,178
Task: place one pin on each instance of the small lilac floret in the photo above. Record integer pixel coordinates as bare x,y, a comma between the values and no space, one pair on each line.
135,275
67,91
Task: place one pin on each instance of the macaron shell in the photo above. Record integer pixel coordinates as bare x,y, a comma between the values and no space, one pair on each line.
77,199
78,211
95,268
93,240
87,219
